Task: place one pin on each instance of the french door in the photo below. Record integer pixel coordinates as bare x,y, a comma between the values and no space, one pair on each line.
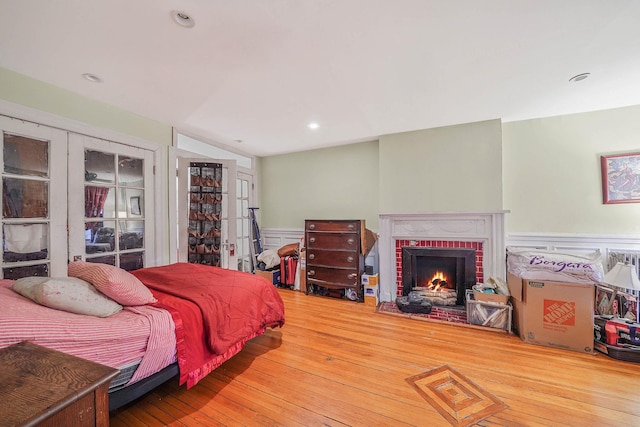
111,215
34,210
244,190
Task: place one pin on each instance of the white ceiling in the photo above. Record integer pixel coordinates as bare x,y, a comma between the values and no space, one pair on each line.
260,70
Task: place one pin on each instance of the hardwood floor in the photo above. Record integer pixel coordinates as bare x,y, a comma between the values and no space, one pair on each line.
338,363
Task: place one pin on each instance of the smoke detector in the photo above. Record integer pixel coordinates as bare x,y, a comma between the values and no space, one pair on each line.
183,19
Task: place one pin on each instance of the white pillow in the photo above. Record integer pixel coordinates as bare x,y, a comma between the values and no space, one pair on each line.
68,294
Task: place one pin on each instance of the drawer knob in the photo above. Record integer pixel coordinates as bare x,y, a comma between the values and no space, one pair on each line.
312,240
312,256
351,241
351,226
312,226
350,258
311,273
352,275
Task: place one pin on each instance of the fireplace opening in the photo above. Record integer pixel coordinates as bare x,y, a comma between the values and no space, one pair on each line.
440,274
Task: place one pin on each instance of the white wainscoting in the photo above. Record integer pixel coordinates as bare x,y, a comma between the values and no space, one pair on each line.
575,243
274,238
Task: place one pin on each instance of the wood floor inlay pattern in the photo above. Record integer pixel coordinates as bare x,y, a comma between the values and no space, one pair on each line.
456,398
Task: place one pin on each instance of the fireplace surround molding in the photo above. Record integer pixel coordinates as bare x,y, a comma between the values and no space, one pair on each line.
486,227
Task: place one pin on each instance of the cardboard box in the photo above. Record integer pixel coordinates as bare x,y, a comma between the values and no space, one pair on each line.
302,262
371,294
272,275
495,298
553,314
370,279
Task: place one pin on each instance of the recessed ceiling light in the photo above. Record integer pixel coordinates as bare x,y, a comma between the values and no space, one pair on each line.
313,125
579,77
182,19
92,78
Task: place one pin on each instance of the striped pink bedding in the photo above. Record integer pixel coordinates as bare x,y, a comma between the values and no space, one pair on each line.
137,333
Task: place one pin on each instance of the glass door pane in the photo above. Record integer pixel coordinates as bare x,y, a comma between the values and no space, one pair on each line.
114,190
29,224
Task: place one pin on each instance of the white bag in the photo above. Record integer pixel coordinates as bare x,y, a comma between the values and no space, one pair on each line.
554,265
25,238
270,258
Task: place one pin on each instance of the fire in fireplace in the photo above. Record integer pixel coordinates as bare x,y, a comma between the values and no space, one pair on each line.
440,274
438,289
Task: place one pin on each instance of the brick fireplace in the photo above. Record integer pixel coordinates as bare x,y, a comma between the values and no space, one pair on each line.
459,264
480,231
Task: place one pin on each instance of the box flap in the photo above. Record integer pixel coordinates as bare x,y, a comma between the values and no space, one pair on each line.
515,286
368,238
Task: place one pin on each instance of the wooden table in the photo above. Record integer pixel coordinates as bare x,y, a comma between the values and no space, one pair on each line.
43,387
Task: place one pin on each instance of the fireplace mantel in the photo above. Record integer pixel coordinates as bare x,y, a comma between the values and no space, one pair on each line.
484,227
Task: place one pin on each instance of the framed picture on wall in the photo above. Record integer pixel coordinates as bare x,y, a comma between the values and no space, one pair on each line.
621,178
135,205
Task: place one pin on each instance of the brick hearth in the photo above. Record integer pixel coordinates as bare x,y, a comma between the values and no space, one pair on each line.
442,314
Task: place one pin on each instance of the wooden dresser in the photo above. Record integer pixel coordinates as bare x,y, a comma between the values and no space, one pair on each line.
43,387
335,251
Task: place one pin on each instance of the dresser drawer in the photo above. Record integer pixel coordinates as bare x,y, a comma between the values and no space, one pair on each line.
342,226
333,240
331,258
345,276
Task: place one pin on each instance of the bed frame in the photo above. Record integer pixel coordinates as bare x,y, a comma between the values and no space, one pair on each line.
121,395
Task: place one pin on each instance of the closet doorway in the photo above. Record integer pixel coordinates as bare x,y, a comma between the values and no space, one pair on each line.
237,193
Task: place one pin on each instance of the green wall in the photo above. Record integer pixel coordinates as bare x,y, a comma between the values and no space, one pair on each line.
552,177
331,183
36,94
546,172
453,168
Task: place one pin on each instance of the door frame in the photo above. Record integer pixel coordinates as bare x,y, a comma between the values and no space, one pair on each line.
175,155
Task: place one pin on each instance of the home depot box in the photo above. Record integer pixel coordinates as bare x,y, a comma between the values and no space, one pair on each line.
553,314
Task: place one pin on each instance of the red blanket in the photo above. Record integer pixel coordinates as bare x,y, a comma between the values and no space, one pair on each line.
216,311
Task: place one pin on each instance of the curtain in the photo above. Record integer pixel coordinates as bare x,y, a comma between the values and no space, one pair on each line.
94,200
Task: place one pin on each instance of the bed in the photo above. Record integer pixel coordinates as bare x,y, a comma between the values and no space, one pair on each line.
180,320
